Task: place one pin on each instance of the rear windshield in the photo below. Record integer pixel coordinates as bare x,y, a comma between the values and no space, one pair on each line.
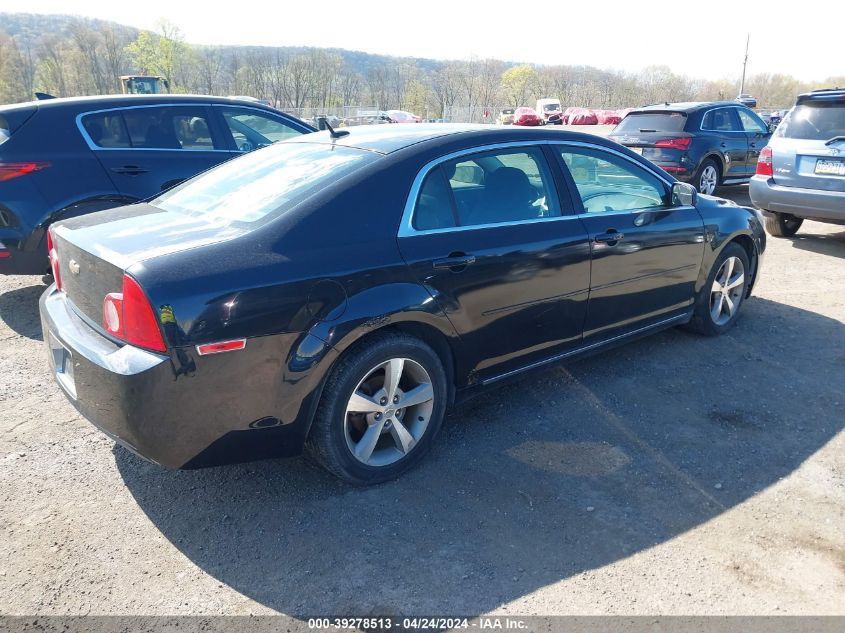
644,122
814,120
265,183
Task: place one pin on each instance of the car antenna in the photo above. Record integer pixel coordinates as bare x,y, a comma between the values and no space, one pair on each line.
323,124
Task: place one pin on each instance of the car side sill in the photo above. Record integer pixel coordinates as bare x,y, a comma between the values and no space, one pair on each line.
681,318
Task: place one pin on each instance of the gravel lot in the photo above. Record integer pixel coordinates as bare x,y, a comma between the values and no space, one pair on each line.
675,475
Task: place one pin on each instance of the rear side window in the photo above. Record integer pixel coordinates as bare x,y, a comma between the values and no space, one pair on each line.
814,120
721,120
264,184
106,129
645,122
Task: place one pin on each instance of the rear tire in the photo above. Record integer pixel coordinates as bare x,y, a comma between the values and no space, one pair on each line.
718,303
707,178
362,433
782,224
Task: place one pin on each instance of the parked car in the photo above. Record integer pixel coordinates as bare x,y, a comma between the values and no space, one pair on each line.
338,292
801,174
747,100
526,116
66,157
550,111
400,116
368,118
506,116
706,144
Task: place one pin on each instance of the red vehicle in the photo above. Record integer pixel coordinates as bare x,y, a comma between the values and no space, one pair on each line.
526,116
400,116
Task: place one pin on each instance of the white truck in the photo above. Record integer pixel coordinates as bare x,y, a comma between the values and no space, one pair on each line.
550,111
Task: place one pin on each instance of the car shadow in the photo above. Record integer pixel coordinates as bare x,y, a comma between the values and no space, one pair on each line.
562,472
19,310
831,244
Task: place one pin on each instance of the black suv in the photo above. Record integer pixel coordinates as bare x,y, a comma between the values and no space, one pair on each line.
61,158
706,144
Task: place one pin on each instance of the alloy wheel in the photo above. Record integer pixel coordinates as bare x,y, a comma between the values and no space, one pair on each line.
728,288
708,181
388,412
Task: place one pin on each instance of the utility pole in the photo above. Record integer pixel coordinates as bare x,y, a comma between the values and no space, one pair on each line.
744,64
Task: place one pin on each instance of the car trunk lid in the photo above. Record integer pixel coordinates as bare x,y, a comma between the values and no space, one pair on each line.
95,250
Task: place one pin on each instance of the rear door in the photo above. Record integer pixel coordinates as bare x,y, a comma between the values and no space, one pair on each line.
646,253
729,139
808,147
507,262
757,134
148,149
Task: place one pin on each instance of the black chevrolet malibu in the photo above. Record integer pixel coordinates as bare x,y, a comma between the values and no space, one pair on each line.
338,291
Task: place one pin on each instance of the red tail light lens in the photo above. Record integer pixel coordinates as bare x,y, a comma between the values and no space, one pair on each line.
129,316
674,143
8,171
764,163
54,260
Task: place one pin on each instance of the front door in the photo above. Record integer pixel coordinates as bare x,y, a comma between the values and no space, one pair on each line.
757,134
146,150
508,266
646,254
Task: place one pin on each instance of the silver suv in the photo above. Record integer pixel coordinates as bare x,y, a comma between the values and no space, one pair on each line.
801,173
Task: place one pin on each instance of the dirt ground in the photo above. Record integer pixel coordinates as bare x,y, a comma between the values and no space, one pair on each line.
675,475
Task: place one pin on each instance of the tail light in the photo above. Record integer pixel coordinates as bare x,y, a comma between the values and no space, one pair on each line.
54,260
764,163
129,316
674,143
8,171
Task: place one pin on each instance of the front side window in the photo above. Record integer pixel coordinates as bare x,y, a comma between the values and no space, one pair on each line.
751,124
487,188
263,184
252,129
607,182
720,120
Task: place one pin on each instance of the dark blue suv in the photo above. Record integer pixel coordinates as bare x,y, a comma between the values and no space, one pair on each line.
706,144
61,158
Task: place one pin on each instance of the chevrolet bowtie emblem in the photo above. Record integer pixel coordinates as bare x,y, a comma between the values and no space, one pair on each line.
74,267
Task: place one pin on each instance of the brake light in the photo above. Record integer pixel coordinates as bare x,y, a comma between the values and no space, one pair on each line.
8,171
54,260
674,143
128,315
764,163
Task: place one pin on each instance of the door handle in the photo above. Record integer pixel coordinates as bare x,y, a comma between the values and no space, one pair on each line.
130,170
610,238
456,262
724,144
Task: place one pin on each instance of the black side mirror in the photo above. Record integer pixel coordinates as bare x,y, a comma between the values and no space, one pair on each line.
684,195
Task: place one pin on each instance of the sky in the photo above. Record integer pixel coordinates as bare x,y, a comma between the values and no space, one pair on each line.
701,39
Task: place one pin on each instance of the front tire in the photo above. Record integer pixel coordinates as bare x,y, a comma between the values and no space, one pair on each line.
718,302
380,411
782,224
707,177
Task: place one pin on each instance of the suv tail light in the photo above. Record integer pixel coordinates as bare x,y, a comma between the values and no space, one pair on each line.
54,260
129,316
674,143
8,171
764,163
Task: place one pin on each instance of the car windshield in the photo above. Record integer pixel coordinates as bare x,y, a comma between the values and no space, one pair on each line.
265,183
637,122
551,107
814,120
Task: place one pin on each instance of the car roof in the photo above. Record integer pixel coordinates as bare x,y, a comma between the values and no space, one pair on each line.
825,93
385,139
107,101
684,106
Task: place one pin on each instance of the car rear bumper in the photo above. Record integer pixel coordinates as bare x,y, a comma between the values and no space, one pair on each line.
803,203
165,408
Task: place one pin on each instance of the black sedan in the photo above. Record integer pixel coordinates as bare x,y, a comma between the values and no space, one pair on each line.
338,291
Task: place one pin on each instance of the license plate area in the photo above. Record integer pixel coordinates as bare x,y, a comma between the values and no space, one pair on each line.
61,360
825,167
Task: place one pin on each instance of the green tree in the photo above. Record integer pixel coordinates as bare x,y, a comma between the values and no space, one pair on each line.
518,84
